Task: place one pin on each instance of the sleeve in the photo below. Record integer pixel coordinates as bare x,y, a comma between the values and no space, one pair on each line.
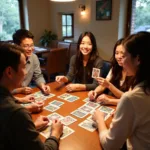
109,76
37,75
98,64
24,136
71,72
121,127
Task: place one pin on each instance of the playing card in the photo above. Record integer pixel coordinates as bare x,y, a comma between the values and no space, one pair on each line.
106,109
66,132
64,96
86,108
72,98
56,103
88,125
46,132
54,116
95,72
79,113
68,120
92,104
51,107
86,100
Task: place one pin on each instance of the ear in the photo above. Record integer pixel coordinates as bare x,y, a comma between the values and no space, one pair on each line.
138,60
9,72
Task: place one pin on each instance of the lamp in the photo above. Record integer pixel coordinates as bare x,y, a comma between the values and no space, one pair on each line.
82,8
62,0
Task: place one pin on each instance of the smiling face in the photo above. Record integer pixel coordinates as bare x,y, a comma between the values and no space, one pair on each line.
130,64
28,45
86,46
119,54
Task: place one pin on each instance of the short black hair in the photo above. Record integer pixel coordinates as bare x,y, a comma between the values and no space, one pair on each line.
9,56
20,35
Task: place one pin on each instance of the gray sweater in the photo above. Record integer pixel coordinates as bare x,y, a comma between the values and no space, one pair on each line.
90,83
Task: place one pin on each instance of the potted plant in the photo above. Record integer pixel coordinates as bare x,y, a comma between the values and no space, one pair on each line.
47,37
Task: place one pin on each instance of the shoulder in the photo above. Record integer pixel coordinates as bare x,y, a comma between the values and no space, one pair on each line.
98,61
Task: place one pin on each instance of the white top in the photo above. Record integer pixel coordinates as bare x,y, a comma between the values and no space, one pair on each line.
131,122
109,76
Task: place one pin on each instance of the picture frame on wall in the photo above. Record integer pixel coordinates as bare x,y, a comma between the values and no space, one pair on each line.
103,9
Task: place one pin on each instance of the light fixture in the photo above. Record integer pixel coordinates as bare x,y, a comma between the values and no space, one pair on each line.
62,0
82,8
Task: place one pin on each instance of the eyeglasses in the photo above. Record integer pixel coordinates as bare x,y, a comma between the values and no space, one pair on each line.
28,46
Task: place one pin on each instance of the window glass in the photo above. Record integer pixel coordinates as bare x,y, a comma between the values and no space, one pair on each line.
9,18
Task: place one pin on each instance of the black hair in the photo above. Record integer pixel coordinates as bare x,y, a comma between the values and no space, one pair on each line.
79,57
9,56
20,35
138,45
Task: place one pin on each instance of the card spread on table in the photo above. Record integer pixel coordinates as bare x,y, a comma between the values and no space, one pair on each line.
95,72
88,125
68,120
51,107
79,113
86,108
68,97
55,116
56,103
86,100
92,104
106,109
66,132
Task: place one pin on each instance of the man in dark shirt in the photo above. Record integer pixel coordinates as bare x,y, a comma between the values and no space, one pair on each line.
17,131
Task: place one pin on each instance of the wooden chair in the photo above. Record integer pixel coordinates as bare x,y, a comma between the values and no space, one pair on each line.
56,62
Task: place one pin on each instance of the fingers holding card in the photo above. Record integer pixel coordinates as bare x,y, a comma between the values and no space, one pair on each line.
95,72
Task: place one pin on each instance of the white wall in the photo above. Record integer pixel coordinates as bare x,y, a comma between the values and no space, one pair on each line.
38,17
106,32
44,14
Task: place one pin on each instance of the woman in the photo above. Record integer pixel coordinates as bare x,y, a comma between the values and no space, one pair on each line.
132,118
81,65
116,81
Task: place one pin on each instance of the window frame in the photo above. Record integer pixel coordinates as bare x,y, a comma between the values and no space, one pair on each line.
72,26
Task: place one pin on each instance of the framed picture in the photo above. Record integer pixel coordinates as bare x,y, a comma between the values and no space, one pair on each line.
103,9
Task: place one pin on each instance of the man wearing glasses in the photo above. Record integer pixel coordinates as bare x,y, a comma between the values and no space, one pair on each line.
24,38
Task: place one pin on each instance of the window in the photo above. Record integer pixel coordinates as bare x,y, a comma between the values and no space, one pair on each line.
139,16
9,18
67,25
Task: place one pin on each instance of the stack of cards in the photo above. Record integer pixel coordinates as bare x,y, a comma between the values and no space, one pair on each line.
68,120
86,100
55,116
79,113
68,97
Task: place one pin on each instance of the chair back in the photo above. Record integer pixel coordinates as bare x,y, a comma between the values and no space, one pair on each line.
56,61
105,68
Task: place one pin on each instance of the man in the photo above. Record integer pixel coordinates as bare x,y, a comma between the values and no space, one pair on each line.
24,38
17,131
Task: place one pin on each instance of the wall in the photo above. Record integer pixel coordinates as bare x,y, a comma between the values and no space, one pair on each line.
106,32
38,17
44,14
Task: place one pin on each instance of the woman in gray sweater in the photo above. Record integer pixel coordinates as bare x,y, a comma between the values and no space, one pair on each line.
81,65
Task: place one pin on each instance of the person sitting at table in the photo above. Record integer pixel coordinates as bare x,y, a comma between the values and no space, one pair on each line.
131,120
81,65
24,38
17,131
116,81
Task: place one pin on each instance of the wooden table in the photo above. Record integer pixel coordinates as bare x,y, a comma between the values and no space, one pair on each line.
81,139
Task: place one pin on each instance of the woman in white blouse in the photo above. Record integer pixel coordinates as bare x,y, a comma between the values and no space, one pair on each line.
131,121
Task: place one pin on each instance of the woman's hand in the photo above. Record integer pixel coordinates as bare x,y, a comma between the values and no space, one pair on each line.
61,79
92,95
103,82
103,99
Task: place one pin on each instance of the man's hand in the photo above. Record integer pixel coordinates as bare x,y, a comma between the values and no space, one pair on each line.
45,89
26,99
57,129
41,122
92,95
